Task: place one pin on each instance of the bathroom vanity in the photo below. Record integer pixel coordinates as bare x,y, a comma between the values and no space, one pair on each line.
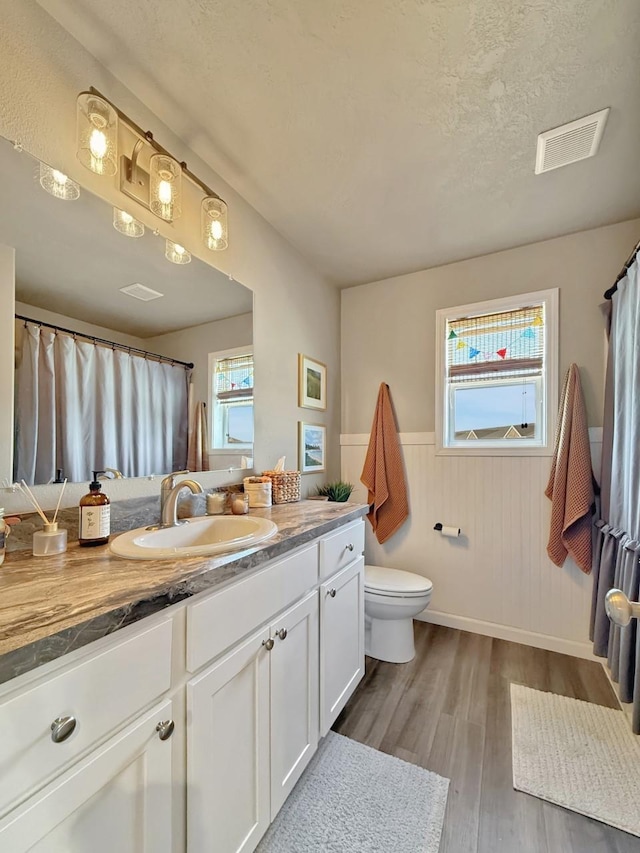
187,728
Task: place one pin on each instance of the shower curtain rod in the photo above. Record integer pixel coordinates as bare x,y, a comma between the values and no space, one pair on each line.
188,365
609,293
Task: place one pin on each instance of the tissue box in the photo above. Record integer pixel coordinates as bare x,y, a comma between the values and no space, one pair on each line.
285,486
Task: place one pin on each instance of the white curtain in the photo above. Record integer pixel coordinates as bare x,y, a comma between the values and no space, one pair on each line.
81,406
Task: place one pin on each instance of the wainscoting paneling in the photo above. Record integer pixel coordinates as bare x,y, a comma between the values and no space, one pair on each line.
496,578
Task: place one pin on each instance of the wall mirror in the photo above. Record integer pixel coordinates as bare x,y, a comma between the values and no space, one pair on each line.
93,399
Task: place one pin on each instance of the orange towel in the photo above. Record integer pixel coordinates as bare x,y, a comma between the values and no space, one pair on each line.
570,487
383,473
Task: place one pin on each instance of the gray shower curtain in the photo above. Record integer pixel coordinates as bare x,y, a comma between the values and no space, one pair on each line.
82,406
616,560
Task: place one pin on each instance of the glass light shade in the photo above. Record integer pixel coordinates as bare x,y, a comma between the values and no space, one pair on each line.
165,189
97,133
215,229
176,253
58,184
126,224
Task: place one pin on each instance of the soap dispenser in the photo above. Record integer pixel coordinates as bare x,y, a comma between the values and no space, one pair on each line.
95,515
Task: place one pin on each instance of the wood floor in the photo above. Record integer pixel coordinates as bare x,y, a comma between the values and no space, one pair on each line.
449,711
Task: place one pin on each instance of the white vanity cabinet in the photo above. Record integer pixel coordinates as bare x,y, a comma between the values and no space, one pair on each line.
341,640
251,675
118,798
341,619
83,765
252,729
228,750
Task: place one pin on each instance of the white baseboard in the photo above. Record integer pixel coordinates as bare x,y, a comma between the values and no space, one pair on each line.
515,635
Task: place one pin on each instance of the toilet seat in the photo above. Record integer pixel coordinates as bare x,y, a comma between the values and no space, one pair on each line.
395,583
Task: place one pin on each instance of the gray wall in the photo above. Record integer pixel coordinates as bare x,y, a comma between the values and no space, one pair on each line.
388,326
196,343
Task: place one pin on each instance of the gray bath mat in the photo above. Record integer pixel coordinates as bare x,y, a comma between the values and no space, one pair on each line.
578,755
354,799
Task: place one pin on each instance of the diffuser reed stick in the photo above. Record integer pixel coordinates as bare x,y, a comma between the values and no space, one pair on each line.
55,515
27,491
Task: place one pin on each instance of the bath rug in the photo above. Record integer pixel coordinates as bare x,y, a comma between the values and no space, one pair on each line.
577,755
354,799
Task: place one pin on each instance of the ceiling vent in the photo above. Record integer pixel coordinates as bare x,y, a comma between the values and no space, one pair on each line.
571,142
140,291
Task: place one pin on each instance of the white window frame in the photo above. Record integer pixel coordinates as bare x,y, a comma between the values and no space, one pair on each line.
214,406
503,447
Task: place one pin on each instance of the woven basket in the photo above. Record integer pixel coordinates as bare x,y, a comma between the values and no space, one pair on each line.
285,486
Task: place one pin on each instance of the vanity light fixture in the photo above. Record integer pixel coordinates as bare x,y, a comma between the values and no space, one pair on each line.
97,132
151,176
176,253
126,224
58,184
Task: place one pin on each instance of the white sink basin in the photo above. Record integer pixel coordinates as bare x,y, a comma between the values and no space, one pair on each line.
199,537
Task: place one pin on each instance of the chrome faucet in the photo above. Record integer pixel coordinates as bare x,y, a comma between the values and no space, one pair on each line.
169,494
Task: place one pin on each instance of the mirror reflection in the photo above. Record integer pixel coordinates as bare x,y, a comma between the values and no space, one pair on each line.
128,359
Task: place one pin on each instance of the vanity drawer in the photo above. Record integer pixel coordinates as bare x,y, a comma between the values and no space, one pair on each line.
100,692
341,548
223,618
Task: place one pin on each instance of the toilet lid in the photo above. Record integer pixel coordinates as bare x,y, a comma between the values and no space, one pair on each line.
390,581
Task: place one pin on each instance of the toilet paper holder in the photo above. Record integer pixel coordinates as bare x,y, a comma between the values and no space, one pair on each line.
446,530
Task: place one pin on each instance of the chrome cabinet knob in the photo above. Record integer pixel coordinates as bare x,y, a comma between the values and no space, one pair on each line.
62,728
165,729
349,547
332,593
268,644
282,633
619,609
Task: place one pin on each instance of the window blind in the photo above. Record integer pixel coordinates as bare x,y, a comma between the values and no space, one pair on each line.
500,345
234,378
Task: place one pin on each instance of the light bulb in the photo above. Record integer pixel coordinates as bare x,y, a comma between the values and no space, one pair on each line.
126,224
98,144
216,229
176,253
164,192
57,184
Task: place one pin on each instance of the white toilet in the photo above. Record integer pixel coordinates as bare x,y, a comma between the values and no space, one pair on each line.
391,599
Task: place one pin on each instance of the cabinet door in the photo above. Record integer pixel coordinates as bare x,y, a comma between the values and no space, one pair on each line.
294,696
118,798
341,640
228,751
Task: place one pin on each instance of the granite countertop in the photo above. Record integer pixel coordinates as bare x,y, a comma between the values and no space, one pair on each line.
50,606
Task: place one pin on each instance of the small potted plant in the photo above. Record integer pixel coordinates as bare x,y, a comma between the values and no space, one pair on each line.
338,491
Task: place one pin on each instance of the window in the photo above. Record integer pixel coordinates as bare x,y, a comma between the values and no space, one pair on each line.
497,375
231,383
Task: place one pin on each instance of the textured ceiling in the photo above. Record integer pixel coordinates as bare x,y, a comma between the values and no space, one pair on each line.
71,260
386,136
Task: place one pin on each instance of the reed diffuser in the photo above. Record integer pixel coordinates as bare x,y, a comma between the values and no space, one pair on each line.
51,540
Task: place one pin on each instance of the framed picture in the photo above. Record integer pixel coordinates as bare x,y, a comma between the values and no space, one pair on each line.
311,447
312,383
